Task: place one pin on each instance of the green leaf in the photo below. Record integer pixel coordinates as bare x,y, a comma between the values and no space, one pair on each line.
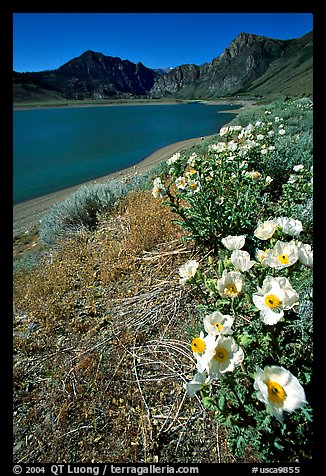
209,403
245,339
307,413
278,444
221,402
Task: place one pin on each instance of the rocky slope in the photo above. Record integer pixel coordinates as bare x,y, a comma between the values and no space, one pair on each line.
243,66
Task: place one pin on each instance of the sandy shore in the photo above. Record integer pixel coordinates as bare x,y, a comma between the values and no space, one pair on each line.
214,102
29,213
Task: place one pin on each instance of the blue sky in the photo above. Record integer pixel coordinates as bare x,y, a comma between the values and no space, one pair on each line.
159,40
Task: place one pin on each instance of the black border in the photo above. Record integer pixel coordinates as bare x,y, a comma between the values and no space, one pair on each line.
7,9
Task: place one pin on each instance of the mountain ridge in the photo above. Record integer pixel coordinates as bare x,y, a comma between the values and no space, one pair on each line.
250,64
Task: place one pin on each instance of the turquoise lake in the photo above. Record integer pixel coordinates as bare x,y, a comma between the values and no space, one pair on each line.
59,148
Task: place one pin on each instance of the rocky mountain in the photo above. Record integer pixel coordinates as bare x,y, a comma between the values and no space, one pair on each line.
91,76
251,64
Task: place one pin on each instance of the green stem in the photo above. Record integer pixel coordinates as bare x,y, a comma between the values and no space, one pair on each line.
201,292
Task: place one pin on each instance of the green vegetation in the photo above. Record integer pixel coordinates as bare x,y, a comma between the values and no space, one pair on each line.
226,199
110,322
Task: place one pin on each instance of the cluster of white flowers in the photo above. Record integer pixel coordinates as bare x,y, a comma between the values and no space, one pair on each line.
190,182
217,353
238,142
283,254
238,155
242,139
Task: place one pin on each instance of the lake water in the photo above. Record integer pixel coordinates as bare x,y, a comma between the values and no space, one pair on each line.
59,148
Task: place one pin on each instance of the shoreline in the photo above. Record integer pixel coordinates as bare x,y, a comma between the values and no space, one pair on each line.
33,107
216,102
27,214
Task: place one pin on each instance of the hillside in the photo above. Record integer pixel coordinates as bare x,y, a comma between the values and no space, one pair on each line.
105,328
90,75
251,65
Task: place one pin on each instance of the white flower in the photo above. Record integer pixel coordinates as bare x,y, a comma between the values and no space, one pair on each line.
265,230
230,284
275,296
217,323
281,132
305,254
232,146
193,186
225,356
180,183
219,147
261,255
199,380
260,136
191,172
268,179
270,133
235,128
250,144
233,242
283,255
289,226
248,129
188,271
158,188
253,174
279,390
241,260
298,168
223,131
174,157
200,347
292,178
192,159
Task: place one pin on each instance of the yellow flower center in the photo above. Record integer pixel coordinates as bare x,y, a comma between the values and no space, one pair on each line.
192,171
276,393
193,185
198,345
221,354
256,175
231,290
283,259
272,301
219,327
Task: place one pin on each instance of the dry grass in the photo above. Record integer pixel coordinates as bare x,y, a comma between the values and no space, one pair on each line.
102,349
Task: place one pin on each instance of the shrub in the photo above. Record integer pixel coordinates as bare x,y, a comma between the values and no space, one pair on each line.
226,188
80,210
